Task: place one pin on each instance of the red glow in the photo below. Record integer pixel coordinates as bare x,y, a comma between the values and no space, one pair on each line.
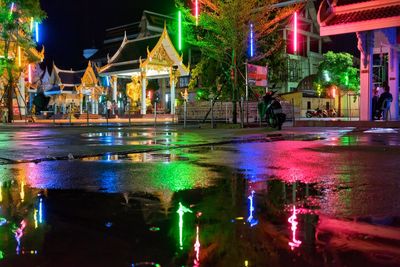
293,221
295,32
149,94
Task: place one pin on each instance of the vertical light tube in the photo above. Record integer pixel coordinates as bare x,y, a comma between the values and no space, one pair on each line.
295,32
196,12
19,56
179,30
29,73
31,24
12,8
37,31
251,40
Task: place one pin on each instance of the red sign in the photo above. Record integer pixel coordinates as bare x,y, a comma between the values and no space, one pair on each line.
257,75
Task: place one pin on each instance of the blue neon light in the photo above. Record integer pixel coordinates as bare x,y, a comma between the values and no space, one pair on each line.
251,40
251,220
41,211
37,31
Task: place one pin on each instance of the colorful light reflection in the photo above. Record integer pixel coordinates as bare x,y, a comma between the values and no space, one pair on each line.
293,221
197,248
181,211
18,235
251,218
41,211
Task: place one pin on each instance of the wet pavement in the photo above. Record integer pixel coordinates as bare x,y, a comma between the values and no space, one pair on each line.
167,197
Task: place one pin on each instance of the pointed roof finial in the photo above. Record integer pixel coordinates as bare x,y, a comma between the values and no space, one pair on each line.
125,37
108,57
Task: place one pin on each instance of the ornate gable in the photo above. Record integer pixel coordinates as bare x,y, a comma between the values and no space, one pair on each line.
89,79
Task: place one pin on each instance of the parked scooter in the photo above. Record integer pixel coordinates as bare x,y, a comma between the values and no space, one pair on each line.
317,113
273,110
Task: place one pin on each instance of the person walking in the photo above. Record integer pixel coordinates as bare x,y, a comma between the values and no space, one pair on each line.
385,100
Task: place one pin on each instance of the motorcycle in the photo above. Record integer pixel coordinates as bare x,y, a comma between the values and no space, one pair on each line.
272,109
317,113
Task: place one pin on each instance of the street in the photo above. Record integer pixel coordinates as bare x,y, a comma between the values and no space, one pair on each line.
112,197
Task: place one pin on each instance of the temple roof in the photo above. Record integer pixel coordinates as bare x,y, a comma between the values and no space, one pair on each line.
145,52
134,49
150,24
68,77
347,16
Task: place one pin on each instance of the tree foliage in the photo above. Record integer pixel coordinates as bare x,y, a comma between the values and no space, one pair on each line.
222,36
338,69
16,35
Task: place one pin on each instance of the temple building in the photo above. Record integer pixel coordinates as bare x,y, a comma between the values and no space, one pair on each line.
74,91
377,26
142,59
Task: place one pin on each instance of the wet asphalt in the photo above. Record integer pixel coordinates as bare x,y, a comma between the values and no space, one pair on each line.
172,197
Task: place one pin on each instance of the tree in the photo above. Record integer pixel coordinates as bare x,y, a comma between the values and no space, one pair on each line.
222,36
17,48
337,69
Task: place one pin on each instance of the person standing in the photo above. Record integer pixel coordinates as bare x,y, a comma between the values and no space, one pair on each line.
385,100
375,107
109,106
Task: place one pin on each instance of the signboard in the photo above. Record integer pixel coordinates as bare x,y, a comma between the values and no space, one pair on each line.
257,75
184,81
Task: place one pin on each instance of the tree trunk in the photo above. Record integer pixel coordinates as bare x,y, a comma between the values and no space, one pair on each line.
234,88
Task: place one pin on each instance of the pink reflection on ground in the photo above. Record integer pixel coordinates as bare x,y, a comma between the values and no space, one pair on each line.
294,243
18,234
197,249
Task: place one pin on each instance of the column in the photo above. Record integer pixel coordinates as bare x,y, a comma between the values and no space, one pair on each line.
365,46
172,80
21,94
114,88
143,95
97,107
81,105
393,71
93,109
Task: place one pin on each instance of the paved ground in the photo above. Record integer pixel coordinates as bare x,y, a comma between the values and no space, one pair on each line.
303,196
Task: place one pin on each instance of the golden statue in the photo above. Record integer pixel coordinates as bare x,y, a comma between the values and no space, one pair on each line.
134,92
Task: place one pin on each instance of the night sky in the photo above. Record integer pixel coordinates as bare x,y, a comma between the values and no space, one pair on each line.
73,25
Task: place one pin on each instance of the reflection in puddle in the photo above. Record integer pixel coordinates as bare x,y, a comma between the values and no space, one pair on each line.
294,243
138,157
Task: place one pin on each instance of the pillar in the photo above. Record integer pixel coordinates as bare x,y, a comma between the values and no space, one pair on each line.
93,109
366,46
114,88
81,105
172,81
143,95
96,104
393,71
21,94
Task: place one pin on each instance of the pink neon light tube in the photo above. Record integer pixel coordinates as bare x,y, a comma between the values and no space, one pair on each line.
295,32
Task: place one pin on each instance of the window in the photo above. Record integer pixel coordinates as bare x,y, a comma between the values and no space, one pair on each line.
308,104
294,70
